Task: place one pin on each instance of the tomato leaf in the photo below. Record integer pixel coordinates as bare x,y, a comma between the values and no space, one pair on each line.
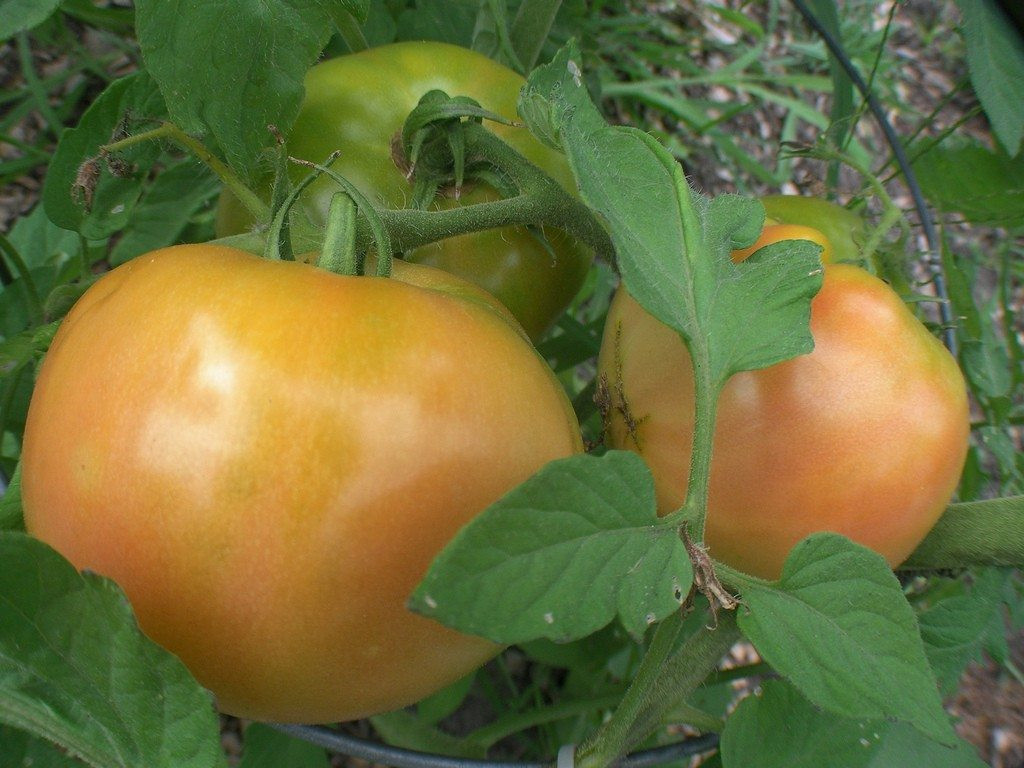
11,515
358,9
956,629
995,59
450,21
106,209
779,728
76,670
673,247
230,68
19,15
21,750
964,176
838,627
165,209
561,556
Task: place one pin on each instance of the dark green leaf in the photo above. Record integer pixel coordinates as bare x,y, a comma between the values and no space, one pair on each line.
956,629
450,21
581,543
781,729
99,213
11,515
20,15
438,706
76,670
995,58
230,68
21,750
987,364
43,255
268,748
838,627
165,209
966,177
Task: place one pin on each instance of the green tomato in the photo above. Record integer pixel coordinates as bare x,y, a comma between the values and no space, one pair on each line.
843,228
358,103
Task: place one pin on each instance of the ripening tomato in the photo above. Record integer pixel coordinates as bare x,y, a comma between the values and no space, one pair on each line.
267,456
865,436
358,103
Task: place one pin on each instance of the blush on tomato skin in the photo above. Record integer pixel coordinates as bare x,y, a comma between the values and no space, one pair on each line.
266,457
865,436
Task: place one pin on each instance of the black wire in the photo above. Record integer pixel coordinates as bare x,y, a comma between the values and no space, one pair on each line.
397,757
927,224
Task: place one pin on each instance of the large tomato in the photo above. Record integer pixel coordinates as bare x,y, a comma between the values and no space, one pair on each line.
267,456
865,436
358,103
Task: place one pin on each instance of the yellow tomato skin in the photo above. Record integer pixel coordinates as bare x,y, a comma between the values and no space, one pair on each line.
266,457
865,436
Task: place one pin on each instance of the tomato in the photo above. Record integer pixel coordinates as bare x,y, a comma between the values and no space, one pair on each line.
267,456
358,103
842,228
865,436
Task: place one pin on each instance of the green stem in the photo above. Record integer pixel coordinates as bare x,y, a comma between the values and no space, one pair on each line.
279,242
973,533
530,29
380,235
256,207
338,253
565,211
347,27
687,669
611,740
705,409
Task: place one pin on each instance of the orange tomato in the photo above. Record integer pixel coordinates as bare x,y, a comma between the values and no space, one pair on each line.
865,436
267,456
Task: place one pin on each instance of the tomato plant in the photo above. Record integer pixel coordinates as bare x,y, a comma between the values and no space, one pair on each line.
357,104
266,456
865,436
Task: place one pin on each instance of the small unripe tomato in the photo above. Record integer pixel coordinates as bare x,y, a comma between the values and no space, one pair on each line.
266,457
357,105
865,436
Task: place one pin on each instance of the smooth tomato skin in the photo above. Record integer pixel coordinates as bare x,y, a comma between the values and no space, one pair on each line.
865,436
266,457
842,228
357,103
